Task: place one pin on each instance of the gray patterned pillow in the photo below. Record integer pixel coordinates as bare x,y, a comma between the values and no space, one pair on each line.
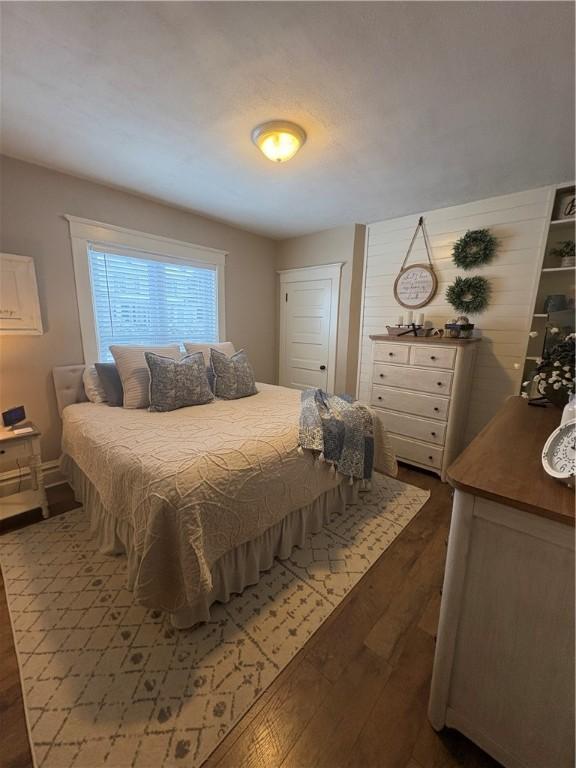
233,376
177,383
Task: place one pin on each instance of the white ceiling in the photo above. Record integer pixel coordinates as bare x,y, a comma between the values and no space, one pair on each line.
407,106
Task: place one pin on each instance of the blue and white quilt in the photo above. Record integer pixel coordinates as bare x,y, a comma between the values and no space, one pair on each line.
339,431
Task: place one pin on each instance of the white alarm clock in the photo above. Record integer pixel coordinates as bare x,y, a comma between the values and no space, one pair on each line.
559,453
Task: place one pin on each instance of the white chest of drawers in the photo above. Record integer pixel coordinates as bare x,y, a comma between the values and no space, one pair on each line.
421,385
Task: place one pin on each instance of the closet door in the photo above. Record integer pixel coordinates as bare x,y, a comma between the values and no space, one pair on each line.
308,327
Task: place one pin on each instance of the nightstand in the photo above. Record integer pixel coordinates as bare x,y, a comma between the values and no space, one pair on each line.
23,451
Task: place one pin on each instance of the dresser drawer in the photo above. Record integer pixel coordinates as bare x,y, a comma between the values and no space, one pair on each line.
410,402
391,353
433,357
439,382
412,450
409,426
12,451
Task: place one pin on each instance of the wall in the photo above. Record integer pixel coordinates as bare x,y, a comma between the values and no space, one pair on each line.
342,244
34,200
519,221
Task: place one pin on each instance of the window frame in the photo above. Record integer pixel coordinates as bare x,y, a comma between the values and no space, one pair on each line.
85,233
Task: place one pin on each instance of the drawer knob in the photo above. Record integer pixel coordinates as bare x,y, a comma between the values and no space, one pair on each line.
390,354
379,397
2,450
432,357
430,458
433,434
436,409
439,383
381,375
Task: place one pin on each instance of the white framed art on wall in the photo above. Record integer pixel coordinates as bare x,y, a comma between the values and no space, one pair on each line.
19,304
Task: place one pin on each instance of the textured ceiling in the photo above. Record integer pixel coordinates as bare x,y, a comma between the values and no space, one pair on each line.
407,106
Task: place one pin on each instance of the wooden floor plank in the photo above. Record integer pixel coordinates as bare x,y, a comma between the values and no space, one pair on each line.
390,734
269,736
429,619
408,603
345,632
334,727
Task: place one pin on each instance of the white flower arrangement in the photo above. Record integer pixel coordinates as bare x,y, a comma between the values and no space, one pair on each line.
554,374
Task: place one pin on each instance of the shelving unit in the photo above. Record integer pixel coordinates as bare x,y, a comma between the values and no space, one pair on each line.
553,278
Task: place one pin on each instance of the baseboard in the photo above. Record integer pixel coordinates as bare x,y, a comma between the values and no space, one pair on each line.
19,479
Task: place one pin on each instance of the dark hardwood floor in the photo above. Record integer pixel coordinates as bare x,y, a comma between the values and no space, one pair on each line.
355,696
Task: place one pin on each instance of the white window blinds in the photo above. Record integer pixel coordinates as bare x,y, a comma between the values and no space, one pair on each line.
144,299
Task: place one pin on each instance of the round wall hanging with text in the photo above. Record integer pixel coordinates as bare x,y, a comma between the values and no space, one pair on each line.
416,284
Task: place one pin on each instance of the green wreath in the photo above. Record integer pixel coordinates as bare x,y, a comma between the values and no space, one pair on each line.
475,248
469,294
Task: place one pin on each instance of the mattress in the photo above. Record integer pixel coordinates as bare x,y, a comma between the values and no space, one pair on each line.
188,486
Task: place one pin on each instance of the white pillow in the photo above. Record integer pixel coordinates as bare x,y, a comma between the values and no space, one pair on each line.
226,347
134,373
92,386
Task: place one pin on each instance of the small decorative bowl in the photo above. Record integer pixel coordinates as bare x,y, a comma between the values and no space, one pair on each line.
466,331
458,331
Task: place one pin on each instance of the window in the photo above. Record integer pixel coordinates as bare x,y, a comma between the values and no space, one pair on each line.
141,289
140,300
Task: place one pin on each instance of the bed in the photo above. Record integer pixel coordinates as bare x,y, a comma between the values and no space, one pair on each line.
201,499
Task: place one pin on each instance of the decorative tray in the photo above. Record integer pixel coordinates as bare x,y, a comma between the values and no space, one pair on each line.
407,330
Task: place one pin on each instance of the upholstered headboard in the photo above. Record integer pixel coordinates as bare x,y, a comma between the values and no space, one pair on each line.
68,385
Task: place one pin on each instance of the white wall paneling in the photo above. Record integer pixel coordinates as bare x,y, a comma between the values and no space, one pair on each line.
520,222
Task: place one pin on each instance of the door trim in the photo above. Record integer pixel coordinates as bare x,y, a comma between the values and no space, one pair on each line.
330,272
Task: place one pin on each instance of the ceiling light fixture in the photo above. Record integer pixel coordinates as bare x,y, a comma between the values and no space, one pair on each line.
279,140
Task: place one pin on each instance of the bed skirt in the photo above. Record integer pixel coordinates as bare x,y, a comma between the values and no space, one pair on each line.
234,571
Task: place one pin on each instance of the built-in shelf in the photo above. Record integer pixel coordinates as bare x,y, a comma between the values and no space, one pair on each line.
558,230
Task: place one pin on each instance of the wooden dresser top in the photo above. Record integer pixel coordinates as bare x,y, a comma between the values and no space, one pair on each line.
424,339
503,463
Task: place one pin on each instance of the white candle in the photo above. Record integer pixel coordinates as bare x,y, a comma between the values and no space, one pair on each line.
409,319
420,320
400,319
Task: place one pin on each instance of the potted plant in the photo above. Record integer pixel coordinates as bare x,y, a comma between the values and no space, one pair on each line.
566,252
554,374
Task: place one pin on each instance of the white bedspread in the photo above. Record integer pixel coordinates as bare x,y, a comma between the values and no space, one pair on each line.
195,483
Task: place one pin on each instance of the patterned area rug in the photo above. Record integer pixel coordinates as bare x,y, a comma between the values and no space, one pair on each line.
109,683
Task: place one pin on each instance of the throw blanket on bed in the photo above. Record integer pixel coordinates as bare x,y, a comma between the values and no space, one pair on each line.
341,431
